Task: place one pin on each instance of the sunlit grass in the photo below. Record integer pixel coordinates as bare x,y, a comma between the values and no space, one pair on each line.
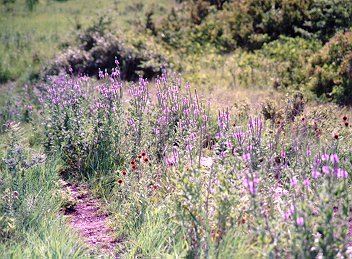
28,40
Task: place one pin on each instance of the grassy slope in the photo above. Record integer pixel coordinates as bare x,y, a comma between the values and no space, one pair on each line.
29,39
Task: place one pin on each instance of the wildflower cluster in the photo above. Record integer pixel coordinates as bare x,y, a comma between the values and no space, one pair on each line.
283,187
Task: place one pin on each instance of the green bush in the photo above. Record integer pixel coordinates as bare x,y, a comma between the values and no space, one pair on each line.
98,49
290,56
250,24
331,69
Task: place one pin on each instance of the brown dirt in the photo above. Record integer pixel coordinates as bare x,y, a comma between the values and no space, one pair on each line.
90,223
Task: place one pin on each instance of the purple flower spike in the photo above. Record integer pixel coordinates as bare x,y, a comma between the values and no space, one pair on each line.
316,174
334,159
326,169
325,157
294,181
306,182
300,221
246,156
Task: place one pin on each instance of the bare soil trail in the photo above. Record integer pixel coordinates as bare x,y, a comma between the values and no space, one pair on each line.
90,223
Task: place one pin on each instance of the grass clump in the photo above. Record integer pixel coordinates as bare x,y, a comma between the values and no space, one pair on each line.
29,205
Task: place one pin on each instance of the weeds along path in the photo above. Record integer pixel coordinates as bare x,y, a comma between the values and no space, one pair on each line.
89,222
350,234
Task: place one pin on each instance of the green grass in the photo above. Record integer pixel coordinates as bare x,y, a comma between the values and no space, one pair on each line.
28,40
34,227
31,225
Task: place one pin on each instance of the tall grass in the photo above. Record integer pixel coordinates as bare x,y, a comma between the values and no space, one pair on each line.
31,225
222,184
30,39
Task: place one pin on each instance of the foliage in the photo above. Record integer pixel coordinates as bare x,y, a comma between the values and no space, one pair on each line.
16,106
180,178
99,49
205,175
29,225
330,69
290,56
31,4
250,24
25,51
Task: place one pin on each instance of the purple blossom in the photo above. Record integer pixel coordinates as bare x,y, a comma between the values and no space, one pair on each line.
315,174
300,221
246,156
325,157
287,215
294,181
306,182
283,154
341,173
326,169
334,159
251,184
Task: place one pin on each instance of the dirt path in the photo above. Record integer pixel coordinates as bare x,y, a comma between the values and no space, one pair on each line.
92,225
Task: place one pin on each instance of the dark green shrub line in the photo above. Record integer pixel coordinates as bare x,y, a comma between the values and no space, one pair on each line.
250,24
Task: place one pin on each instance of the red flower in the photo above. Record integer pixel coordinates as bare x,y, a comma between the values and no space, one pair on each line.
346,124
139,156
143,153
133,162
344,118
134,167
336,136
146,159
124,172
119,181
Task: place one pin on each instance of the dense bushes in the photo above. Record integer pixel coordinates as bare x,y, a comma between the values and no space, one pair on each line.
331,69
249,24
290,57
97,50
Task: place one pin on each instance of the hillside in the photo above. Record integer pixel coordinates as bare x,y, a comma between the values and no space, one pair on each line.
175,129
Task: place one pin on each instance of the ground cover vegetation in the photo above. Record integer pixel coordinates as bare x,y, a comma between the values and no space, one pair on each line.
207,129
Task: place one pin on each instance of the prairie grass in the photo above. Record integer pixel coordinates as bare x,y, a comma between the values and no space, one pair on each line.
243,162
31,226
29,39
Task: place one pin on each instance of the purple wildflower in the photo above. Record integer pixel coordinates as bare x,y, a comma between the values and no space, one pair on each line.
306,182
316,174
300,221
326,169
294,181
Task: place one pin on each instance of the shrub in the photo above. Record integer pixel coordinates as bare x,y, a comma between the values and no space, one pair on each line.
98,49
330,69
290,57
250,24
